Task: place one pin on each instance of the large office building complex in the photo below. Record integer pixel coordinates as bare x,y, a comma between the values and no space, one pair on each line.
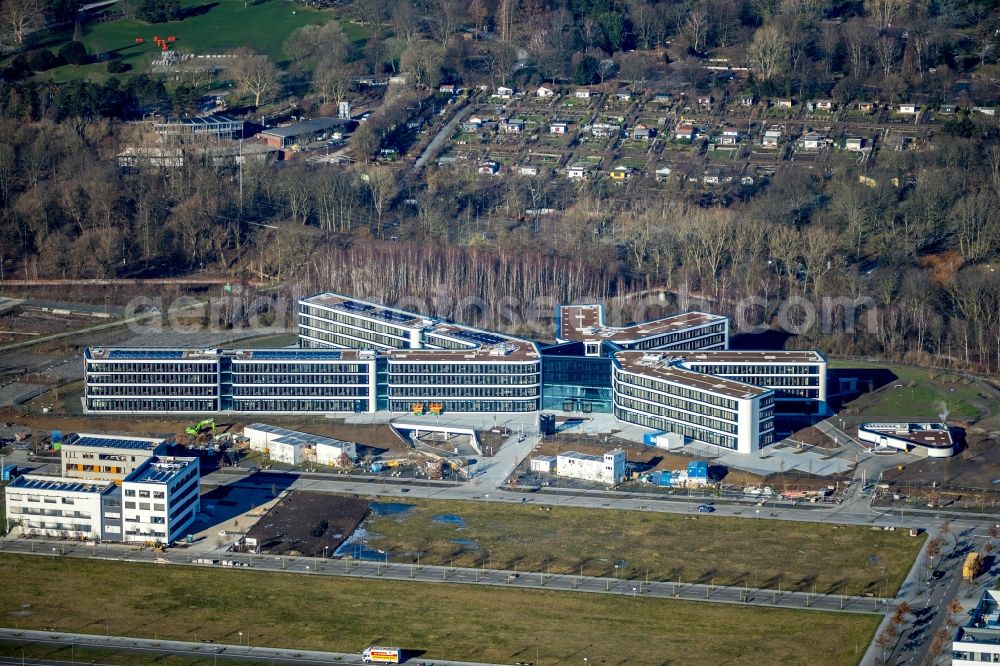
358,356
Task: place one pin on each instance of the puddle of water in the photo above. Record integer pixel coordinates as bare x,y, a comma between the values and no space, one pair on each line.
448,519
357,547
390,508
469,543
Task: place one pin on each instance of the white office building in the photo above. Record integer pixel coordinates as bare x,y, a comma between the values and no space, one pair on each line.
978,640
655,391
930,440
56,507
161,499
106,457
798,378
609,468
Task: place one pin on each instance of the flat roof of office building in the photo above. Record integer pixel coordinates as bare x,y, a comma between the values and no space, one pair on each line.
160,470
295,437
293,354
498,353
586,322
149,354
662,365
362,308
730,356
112,441
60,484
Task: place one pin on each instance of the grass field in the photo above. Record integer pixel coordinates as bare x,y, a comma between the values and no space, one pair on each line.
919,394
211,27
483,624
698,548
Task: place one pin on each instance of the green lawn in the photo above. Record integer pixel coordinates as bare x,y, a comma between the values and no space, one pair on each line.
445,621
698,548
214,27
918,394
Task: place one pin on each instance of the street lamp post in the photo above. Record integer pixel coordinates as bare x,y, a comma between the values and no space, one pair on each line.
241,639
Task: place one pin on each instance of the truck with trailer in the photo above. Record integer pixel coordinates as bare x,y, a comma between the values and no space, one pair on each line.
972,567
382,655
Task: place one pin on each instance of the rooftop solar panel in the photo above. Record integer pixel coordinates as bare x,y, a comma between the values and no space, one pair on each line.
145,354
112,443
377,313
476,336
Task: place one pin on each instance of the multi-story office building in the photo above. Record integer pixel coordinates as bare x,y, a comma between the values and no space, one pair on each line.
58,507
504,377
360,356
655,391
797,377
259,380
152,380
332,320
299,380
105,457
576,372
690,330
160,499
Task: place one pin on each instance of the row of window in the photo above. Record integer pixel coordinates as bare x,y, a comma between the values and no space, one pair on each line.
155,367
299,405
433,392
250,368
151,405
144,494
675,402
446,343
321,329
679,336
778,369
278,380
658,423
471,405
397,368
622,377
294,391
676,414
153,378
55,513
178,390
333,340
462,380
145,506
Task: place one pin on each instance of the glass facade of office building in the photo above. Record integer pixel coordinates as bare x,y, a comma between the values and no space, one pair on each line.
574,382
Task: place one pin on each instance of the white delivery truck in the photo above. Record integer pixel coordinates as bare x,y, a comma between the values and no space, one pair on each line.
382,655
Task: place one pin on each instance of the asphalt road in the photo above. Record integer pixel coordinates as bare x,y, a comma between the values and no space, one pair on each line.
251,654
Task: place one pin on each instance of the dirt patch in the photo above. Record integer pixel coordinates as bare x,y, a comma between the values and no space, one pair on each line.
812,436
307,523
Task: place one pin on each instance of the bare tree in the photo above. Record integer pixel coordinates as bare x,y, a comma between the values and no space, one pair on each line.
887,50
255,75
883,12
422,62
695,28
768,52
382,187
20,16
334,82
857,38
